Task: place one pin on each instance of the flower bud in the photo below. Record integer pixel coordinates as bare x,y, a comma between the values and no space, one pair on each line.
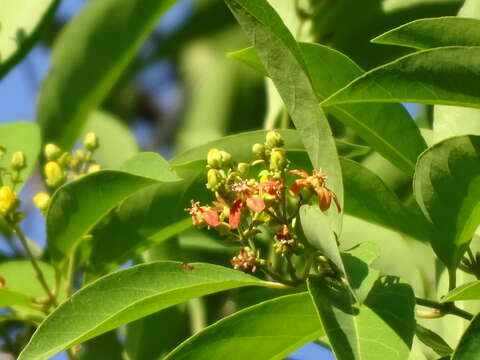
18,161
213,181
41,201
52,152
243,168
223,228
258,150
214,159
278,161
274,139
226,158
93,168
8,200
91,141
55,176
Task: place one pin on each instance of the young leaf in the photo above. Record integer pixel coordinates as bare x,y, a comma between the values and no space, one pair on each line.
76,207
468,291
20,136
447,189
283,60
444,76
469,346
86,56
433,340
434,32
128,295
380,125
271,330
21,24
382,328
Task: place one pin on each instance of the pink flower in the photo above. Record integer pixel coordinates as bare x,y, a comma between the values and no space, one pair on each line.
203,215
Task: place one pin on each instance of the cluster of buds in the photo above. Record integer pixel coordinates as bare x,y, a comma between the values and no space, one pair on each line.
261,193
9,201
62,166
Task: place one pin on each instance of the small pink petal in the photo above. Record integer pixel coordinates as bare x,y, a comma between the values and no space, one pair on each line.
211,217
235,212
255,203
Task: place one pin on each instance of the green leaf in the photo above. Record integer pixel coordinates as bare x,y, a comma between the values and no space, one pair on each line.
273,328
128,295
20,136
368,198
434,32
469,346
445,76
447,189
117,143
380,125
382,328
240,147
86,56
468,291
21,24
433,340
76,207
21,285
283,60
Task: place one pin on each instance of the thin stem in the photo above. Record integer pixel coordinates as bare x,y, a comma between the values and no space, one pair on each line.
452,279
291,268
471,256
448,308
70,274
33,261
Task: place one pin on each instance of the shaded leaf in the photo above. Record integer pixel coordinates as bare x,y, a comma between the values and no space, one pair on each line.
85,55
283,60
271,329
433,340
20,136
434,32
447,189
445,76
382,328
21,23
132,294
76,207
469,346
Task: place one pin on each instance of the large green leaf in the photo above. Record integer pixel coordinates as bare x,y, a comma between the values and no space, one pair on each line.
386,127
76,207
128,295
86,56
117,142
283,60
368,198
21,24
20,136
445,76
434,32
382,328
469,346
447,189
270,330
433,340
468,291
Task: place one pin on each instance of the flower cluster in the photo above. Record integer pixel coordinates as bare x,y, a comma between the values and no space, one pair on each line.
262,196
9,201
62,166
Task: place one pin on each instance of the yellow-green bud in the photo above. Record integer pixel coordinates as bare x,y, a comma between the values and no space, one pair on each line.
214,159
223,228
18,161
8,200
243,168
278,161
258,150
3,150
52,152
55,176
64,159
226,158
274,139
213,181
41,201
91,141
93,169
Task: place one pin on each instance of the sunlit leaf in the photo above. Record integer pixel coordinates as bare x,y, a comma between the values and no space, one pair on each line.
468,291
